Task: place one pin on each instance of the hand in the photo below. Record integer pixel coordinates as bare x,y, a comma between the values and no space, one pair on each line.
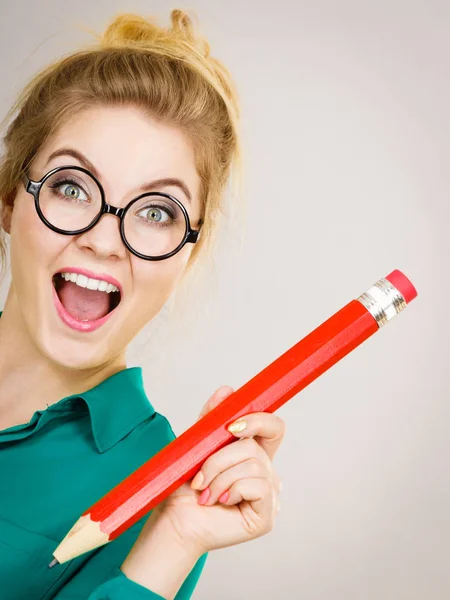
242,498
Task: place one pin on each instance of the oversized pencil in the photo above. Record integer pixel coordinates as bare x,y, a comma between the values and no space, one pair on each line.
182,458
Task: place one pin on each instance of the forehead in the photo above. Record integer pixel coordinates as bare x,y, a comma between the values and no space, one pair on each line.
126,147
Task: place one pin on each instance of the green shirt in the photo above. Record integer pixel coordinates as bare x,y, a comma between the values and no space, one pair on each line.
57,465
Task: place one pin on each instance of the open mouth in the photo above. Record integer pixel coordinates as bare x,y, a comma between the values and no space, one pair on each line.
85,299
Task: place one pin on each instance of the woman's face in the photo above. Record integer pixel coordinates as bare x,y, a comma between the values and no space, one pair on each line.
127,149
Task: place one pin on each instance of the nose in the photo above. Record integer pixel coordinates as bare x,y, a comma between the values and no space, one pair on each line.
104,239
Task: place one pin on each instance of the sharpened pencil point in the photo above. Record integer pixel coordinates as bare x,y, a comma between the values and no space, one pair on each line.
53,563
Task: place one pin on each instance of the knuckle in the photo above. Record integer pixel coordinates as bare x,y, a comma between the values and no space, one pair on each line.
219,485
279,423
235,492
277,482
254,467
206,467
265,459
267,487
282,426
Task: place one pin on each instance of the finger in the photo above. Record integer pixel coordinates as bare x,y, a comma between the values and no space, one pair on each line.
258,492
243,470
276,508
227,457
266,428
277,484
219,396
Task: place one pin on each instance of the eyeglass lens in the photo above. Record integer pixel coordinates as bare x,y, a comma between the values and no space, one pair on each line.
71,200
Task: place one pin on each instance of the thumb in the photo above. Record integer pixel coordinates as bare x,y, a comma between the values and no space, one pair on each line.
219,395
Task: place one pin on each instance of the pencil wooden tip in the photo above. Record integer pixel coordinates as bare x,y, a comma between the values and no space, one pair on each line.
53,563
85,535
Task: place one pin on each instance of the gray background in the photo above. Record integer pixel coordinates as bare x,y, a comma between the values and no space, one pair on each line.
346,130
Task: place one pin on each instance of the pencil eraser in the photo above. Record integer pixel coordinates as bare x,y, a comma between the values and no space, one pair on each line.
403,284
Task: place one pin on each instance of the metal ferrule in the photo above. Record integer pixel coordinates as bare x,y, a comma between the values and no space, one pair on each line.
383,301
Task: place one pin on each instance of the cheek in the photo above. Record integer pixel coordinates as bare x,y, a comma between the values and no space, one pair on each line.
34,248
29,234
157,280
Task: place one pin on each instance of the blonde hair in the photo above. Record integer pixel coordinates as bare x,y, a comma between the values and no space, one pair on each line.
167,72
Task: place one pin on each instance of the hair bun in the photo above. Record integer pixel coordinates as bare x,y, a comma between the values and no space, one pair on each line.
182,24
129,29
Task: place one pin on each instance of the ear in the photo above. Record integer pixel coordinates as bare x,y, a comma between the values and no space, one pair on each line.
6,216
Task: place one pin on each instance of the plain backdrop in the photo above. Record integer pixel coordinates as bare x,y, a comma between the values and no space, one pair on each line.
345,117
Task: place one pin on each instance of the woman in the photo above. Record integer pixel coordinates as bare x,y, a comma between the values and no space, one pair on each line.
124,149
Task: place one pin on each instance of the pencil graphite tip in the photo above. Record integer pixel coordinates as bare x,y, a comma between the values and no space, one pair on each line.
53,563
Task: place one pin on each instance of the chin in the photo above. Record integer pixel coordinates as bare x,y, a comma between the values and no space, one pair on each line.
73,354
71,349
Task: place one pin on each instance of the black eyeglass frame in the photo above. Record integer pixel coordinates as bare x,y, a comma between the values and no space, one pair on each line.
34,187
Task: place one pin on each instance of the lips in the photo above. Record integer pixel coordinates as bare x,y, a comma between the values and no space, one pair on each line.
82,308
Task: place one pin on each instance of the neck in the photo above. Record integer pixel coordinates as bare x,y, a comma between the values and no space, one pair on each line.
29,380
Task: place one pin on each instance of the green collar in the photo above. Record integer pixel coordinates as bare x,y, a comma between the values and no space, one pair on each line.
116,406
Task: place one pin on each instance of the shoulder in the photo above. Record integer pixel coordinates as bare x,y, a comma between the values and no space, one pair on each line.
155,428
145,439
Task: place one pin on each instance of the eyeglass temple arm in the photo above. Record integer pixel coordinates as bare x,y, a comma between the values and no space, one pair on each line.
194,234
25,180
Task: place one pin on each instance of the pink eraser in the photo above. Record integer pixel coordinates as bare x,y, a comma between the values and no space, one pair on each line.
403,284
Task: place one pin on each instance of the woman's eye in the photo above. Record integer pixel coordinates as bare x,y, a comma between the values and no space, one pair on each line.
155,214
73,192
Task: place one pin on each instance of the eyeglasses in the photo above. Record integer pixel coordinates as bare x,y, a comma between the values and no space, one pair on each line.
70,200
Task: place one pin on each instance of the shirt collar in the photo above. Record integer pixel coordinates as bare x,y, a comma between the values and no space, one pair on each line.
116,406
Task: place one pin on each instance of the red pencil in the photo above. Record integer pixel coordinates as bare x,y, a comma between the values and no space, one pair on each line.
180,460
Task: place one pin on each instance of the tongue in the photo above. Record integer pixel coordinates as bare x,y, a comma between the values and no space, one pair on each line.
83,304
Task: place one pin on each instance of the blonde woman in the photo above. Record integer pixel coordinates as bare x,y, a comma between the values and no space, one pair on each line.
115,161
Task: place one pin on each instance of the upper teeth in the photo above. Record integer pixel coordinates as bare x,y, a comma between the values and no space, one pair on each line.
90,284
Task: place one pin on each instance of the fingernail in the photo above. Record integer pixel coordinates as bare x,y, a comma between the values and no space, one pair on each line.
224,496
204,496
237,426
196,483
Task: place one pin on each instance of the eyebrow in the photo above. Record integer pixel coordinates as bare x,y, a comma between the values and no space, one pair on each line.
149,186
